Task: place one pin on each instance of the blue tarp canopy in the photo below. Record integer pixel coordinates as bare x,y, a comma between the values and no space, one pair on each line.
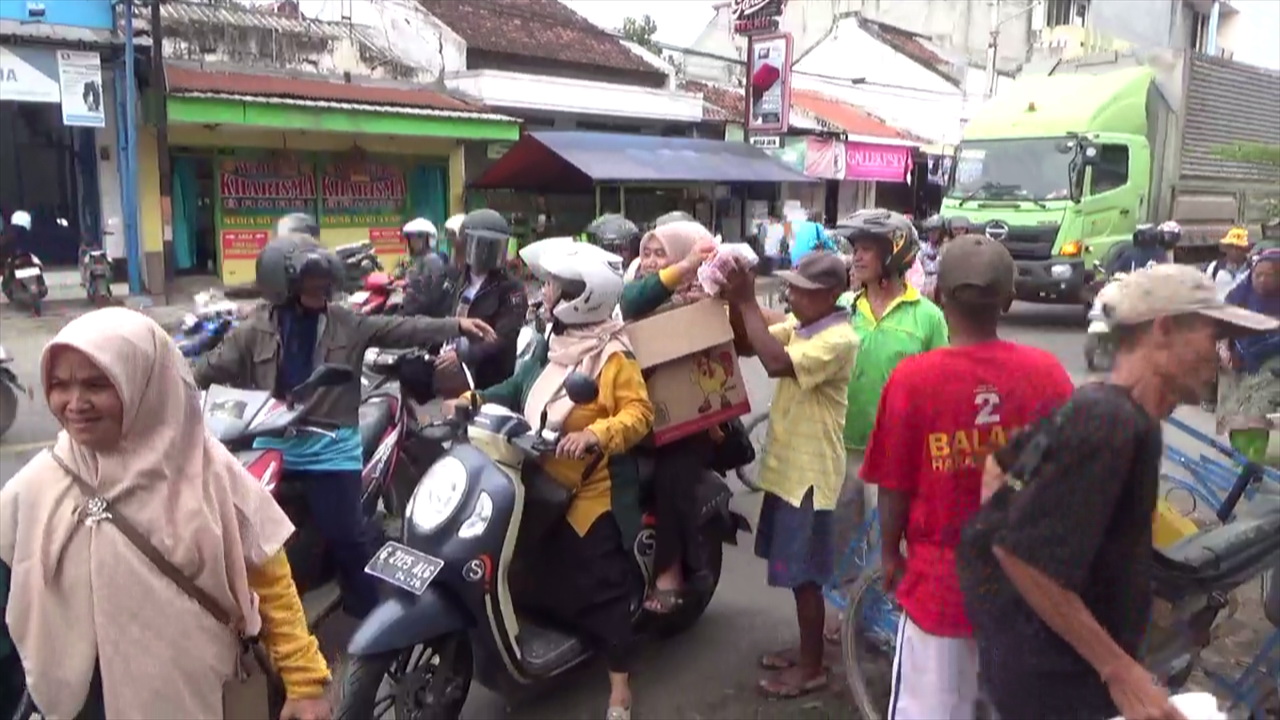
574,161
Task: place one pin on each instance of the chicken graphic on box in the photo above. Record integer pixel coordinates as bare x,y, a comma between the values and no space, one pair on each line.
713,373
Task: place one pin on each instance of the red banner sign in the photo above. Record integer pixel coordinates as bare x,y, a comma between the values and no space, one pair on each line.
243,244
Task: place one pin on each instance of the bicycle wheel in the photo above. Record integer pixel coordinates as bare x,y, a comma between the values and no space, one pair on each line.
758,430
869,640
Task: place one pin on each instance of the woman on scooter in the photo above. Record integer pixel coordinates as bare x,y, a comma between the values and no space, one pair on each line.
589,579
670,256
101,630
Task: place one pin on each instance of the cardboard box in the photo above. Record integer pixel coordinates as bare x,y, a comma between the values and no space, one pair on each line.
692,372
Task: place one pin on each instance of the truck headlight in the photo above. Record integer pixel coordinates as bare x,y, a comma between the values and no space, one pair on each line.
438,495
1060,272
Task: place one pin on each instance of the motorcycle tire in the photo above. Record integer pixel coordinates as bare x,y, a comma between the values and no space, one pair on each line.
8,407
695,603
362,679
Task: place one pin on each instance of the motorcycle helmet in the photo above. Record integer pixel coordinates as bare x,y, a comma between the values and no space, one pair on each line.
420,235
484,234
285,260
1146,235
674,216
614,233
20,218
892,232
454,224
933,223
589,278
1170,234
298,223
958,225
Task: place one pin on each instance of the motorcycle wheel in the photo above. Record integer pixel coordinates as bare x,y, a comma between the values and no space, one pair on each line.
8,407
693,607
1097,354
427,681
757,430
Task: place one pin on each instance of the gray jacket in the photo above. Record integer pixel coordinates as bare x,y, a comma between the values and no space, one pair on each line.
249,357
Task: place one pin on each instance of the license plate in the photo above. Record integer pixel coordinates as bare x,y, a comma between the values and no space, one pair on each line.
26,272
359,297
404,567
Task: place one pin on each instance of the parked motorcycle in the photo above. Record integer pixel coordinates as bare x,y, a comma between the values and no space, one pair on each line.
23,282
469,527
202,329
1099,351
358,261
381,295
95,273
10,391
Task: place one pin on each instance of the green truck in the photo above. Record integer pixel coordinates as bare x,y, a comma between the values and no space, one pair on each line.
1062,167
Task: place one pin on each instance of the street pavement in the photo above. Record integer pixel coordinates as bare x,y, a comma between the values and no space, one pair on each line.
709,672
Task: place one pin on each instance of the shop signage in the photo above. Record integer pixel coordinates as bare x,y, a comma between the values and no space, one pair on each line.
29,74
791,152
252,195
880,163
80,79
367,195
753,16
768,83
824,158
767,142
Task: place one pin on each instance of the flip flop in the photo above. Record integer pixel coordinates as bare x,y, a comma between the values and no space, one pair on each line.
777,660
774,688
663,602
832,636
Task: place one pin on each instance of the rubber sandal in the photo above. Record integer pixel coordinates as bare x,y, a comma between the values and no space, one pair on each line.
618,713
832,636
773,688
776,661
663,602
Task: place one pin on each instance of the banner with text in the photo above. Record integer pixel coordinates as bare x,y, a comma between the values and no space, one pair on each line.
252,195
366,195
881,163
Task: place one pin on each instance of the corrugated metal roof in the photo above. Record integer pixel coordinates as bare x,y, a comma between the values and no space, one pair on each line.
332,105
1228,103
41,32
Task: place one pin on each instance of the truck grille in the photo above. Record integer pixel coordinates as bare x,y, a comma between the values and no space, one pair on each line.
1027,242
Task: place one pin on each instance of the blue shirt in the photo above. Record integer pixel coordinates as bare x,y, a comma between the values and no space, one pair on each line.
806,237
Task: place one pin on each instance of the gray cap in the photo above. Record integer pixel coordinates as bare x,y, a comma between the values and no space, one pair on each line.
1166,290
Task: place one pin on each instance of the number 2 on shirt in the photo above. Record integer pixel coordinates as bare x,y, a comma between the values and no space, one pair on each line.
988,404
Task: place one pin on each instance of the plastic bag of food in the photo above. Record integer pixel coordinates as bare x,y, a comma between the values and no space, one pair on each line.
713,272
1196,706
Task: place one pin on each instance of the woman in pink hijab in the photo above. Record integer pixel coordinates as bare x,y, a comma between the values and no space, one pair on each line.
101,631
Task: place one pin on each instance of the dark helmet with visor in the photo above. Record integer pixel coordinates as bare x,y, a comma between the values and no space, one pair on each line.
287,259
485,234
1146,235
893,234
299,223
613,232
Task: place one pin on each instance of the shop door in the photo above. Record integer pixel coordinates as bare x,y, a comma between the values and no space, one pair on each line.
38,174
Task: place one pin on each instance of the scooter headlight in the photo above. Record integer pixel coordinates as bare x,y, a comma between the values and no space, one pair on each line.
438,495
476,523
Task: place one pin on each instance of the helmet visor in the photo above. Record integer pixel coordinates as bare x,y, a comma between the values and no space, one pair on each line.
485,251
418,242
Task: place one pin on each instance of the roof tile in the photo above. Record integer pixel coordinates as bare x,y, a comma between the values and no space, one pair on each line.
718,103
850,118
546,29
192,79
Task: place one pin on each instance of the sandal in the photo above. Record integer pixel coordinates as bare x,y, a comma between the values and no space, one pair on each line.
618,713
664,602
781,660
780,687
832,636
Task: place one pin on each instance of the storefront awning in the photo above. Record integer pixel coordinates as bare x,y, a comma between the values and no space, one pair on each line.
573,161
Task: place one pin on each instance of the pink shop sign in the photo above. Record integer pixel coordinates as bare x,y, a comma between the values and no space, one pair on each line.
882,163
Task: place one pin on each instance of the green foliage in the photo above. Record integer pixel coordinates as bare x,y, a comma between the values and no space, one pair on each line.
641,31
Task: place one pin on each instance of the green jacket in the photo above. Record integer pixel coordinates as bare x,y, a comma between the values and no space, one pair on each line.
643,296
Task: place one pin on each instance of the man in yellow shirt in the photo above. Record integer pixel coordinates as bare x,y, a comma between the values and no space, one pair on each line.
811,353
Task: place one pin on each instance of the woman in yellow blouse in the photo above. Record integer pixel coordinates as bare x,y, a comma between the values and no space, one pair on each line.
99,628
590,579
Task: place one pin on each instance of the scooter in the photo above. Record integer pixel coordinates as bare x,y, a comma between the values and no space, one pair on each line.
95,273
209,322
1099,352
381,295
358,260
24,282
470,526
10,390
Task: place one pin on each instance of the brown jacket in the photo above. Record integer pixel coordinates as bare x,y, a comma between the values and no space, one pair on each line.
249,357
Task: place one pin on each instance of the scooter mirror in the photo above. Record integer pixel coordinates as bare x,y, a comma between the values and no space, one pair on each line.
581,388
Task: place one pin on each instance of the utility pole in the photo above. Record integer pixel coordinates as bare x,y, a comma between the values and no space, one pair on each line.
993,45
160,99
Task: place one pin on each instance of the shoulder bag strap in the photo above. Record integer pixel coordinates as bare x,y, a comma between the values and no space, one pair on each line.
148,550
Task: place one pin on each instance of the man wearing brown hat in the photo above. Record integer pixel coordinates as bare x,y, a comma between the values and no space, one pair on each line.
811,353
1056,568
941,413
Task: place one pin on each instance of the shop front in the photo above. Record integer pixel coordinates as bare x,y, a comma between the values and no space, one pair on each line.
54,108
555,182
241,161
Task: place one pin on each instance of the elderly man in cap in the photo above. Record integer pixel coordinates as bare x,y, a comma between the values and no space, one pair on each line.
926,459
811,353
1056,571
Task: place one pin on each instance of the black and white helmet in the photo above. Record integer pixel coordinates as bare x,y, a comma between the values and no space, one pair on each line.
285,260
893,233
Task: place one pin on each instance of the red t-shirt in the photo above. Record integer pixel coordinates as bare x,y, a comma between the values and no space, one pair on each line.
941,414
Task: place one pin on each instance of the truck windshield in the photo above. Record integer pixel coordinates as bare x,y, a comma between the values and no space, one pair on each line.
1031,169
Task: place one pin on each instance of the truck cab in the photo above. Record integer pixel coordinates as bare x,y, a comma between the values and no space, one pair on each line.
1058,168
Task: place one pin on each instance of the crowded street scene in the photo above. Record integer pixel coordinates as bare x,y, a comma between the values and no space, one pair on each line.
445,359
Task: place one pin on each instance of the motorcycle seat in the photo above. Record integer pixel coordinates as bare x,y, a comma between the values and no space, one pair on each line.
375,419
1223,556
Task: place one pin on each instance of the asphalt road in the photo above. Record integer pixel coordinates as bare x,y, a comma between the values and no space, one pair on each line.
707,673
